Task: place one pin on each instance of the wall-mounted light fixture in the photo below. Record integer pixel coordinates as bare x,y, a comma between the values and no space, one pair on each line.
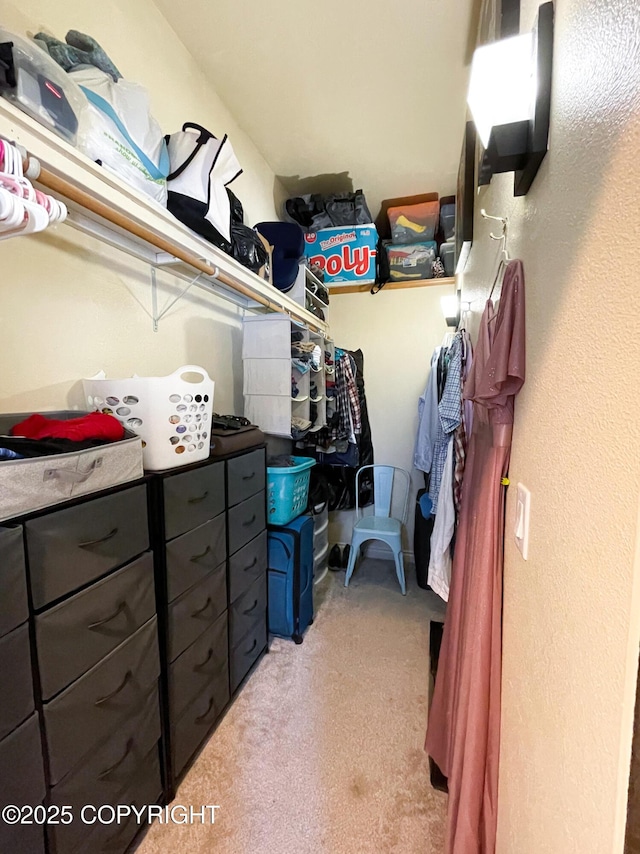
451,309
510,100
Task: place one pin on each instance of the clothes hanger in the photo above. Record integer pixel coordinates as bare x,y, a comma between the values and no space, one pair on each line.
504,254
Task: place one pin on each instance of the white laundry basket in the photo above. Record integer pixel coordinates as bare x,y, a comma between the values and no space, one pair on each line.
172,415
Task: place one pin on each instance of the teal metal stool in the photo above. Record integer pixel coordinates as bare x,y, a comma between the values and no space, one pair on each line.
391,488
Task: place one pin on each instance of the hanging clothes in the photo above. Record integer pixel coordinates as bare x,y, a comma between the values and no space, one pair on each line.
428,419
439,572
449,412
463,735
463,430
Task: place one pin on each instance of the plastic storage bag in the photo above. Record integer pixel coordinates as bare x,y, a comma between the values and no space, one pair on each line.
118,130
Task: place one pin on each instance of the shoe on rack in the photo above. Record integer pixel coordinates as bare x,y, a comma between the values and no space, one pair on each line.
335,559
345,556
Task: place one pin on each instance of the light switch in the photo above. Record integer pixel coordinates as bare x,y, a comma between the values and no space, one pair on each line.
523,506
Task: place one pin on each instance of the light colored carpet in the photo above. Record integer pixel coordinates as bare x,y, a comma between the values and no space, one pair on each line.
323,749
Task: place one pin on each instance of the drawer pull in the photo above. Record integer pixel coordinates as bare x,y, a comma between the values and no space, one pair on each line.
199,498
117,764
251,565
104,539
127,677
249,610
206,714
255,644
203,664
249,476
204,607
249,521
196,558
108,619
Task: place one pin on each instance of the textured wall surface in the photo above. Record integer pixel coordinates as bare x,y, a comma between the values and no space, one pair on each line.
571,616
397,332
71,305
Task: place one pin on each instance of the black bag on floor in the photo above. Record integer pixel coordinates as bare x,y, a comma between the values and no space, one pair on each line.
422,531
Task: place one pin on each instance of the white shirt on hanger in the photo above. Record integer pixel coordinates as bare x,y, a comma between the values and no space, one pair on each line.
439,573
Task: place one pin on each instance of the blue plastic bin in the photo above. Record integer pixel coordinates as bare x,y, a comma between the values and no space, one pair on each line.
288,490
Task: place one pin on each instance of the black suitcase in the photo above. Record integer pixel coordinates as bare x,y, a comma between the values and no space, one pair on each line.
422,531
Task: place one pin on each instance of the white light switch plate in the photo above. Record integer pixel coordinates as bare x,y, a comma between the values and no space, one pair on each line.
523,507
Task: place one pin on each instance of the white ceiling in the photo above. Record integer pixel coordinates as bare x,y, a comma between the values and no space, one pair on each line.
326,87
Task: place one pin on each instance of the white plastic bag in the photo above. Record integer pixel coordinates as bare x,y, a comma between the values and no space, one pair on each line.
118,130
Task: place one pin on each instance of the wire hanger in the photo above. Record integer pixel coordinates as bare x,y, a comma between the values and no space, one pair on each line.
504,254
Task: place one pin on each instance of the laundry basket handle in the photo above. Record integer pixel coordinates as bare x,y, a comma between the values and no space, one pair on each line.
192,369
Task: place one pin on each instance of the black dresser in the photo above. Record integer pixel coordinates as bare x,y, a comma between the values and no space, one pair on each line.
209,521
128,619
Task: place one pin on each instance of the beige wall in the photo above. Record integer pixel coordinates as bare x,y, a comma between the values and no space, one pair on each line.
397,331
69,305
571,615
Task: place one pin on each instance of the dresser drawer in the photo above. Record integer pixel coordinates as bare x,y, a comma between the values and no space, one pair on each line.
71,547
194,724
191,613
246,565
246,521
246,475
246,610
108,771
115,838
21,784
21,769
76,634
203,662
194,555
89,710
16,685
192,498
22,838
13,585
246,651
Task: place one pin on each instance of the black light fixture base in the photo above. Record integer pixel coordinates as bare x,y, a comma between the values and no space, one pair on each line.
520,147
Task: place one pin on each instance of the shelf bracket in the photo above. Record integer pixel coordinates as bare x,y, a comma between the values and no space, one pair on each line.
157,316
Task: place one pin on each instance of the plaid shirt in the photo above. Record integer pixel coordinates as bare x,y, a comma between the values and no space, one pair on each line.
347,401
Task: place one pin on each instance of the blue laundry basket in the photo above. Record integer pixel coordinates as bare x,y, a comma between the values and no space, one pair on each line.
288,490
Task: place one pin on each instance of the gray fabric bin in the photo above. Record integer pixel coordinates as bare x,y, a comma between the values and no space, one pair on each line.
32,484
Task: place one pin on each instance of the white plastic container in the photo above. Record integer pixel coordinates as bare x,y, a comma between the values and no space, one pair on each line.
172,415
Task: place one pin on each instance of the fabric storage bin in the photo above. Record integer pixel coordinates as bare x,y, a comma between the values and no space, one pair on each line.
413,223
31,484
172,414
448,220
411,261
288,490
447,256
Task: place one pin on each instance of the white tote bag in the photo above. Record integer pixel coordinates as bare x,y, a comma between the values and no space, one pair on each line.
201,168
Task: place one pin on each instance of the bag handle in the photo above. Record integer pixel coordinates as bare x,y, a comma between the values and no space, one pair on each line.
157,173
203,139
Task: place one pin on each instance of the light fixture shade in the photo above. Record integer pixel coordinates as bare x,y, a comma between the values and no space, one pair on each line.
502,89
451,309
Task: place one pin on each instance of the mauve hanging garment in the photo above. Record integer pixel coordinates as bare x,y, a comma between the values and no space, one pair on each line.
463,735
